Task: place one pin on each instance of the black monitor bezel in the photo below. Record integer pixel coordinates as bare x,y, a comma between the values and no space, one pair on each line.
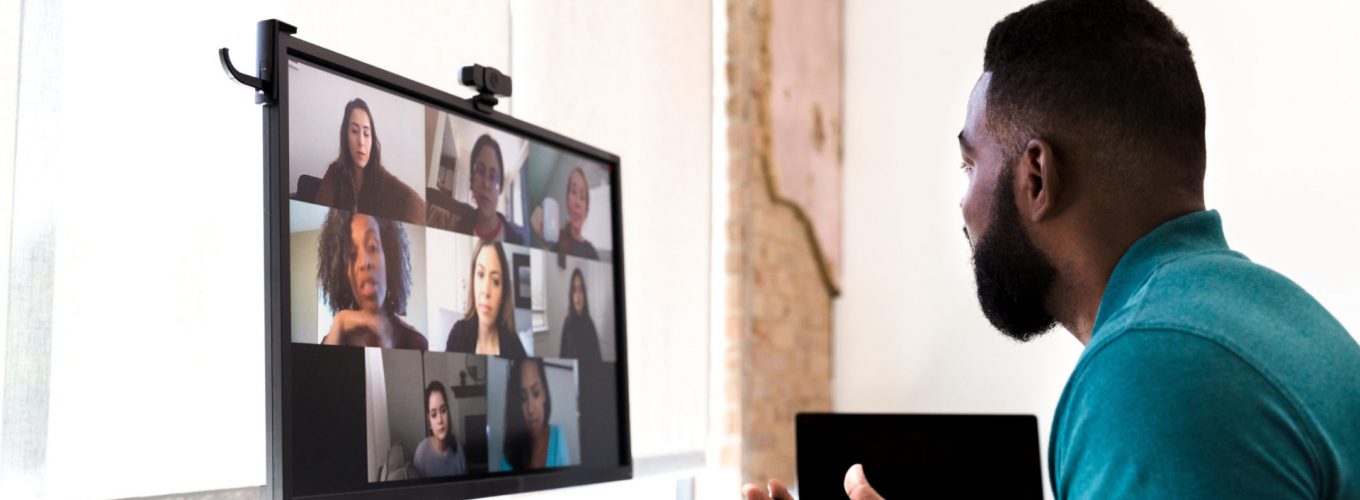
276,46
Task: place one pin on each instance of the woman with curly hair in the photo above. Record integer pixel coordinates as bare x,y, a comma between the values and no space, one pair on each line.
488,325
530,441
365,274
357,180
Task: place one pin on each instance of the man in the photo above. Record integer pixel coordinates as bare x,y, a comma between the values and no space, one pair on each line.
1204,374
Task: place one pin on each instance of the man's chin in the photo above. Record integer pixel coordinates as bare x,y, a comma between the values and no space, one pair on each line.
1020,326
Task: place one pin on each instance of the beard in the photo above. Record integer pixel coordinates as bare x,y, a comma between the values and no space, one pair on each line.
1013,277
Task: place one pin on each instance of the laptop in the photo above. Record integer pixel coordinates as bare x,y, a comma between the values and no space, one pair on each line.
921,456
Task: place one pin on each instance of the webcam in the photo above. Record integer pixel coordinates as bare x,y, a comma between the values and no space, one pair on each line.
489,83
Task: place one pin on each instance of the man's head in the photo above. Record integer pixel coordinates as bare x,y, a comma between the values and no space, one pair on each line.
1088,118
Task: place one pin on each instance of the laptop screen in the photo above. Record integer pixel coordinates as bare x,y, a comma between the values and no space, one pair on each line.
921,456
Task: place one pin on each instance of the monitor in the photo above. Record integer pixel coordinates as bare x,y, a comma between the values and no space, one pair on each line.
445,290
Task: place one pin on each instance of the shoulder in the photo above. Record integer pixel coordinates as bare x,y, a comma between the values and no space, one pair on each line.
407,194
513,233
511,347
463,327
333,172
560,451
463,336
555,438
1151,367
1165,412
408,337
1220,294
325,193
411,203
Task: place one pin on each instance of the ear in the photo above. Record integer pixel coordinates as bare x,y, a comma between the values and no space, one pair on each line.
1041,180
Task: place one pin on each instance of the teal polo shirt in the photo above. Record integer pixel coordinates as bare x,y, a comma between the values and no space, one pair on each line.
1208,376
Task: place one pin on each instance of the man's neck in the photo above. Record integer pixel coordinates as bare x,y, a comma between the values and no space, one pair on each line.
1080,285
1075,302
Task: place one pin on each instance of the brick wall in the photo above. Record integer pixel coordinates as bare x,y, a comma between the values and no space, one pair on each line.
777,350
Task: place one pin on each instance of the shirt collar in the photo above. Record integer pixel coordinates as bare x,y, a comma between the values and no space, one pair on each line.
1184,235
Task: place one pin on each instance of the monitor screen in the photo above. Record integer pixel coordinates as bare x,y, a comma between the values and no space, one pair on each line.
452,287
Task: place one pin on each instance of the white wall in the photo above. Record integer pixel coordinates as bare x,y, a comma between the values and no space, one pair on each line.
909,334
10,24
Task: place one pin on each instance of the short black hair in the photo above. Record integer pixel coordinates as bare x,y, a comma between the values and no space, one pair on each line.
1110,81
334,257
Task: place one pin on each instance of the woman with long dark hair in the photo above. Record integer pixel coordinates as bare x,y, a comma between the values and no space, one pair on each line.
488,325
364,270
357,180
579,338
530,441
439,454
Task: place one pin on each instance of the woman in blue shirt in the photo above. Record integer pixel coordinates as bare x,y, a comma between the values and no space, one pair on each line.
530,441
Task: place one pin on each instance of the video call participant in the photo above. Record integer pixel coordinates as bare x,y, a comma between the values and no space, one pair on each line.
530,441
1204,375
439,454
364,272
487,176
357,180
570,241
579,339
488,325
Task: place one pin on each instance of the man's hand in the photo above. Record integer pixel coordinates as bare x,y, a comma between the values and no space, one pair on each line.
856,487
776,491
